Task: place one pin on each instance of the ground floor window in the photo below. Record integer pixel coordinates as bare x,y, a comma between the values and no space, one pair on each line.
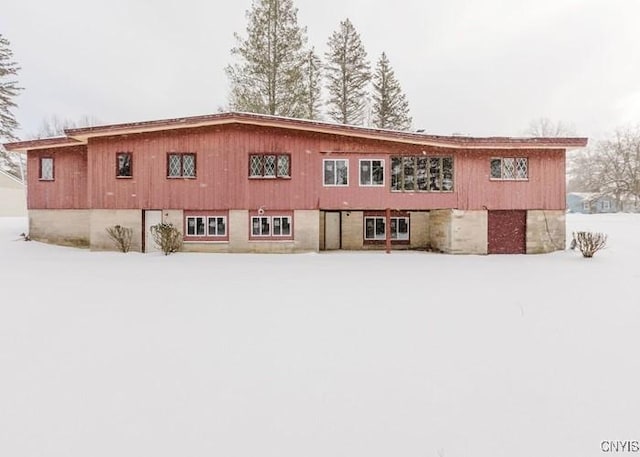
205,226
375,228
271,226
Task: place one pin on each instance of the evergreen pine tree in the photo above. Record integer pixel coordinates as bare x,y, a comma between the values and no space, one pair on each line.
268,78
390,105
9,89
348,75
312,71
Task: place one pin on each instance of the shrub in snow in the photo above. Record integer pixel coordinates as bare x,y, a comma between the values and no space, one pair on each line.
589,242
167,237
121,236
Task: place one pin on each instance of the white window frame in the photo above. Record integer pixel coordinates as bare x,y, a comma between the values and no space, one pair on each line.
383,237
278,158
205,221
503,168
606,205
217,218
371,183
270,220
335,175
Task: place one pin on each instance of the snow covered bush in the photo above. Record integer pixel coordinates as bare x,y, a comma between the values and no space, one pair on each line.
121,236
167,237
589,242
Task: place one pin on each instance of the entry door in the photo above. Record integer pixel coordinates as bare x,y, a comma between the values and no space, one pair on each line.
331,230
507,232
151,217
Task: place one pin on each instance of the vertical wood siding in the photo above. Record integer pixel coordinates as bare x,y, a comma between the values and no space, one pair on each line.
68,190
222,180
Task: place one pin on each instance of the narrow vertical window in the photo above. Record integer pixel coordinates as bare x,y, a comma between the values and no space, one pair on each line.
46,168
123,164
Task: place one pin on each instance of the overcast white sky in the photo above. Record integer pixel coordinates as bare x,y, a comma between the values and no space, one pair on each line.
476,67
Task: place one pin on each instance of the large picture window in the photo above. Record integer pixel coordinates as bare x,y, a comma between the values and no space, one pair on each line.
46,168
421,174
510,168
375,228
181,165
371,172
336,172
269,166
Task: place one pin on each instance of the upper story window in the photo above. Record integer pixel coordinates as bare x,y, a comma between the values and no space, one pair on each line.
510,168
336,172
46,168
421,174
123,165
269,166
371,172
181,165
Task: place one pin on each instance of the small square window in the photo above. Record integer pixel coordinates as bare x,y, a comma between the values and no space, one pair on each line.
181,165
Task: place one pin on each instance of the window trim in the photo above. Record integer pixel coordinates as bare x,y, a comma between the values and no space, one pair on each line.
324,184
118,175
606,205
207,237
397,215
382,161
428,158
288,215
501,178
182,154
263,155
53,169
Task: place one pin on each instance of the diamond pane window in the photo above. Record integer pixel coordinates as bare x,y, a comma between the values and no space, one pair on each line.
188,165
522,171
175,165
46,168
269,166
283,165
510,168
180,165
255,165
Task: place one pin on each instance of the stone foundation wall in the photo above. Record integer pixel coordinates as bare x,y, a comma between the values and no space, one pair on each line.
352,230
469,232
419,230
101,219
440,230
546,231
66,227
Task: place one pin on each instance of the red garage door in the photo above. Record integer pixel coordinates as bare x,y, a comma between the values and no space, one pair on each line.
507,232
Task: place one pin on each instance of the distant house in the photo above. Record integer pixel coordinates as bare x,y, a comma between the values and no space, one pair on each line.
13,200
596,203
238,182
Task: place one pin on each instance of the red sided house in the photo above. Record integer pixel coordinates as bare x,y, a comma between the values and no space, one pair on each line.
237,182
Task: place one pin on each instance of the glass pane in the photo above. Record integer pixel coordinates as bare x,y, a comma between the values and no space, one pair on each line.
199,225
189,165
422,173
380,228
191,226
255,165
496,168
508,168
222,226
396,173
409,165
276,226
447,173
286,226
329,173
377,173
264,226
174,165
255,226
124,164
434,173
342,173
394,228
403,228
283,165
369,228
521,168
365,173
46,168
269,165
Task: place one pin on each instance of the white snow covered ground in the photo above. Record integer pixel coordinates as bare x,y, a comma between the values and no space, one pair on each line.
336,354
